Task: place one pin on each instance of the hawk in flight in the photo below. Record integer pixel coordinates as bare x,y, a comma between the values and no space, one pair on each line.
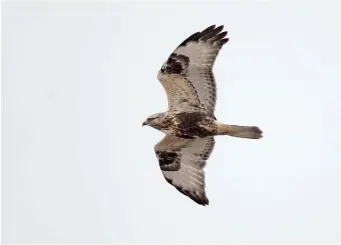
190,124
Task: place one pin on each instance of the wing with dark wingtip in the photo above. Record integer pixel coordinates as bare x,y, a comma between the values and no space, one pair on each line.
182,162
187,74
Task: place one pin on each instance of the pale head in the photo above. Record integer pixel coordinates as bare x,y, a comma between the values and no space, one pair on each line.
154,120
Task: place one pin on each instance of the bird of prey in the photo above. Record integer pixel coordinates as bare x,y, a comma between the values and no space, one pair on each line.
190,124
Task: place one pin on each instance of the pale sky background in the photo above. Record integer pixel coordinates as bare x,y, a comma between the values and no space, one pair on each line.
79,78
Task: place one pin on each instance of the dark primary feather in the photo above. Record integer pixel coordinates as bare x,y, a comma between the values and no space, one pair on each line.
190,38
199,199
209,32
212,33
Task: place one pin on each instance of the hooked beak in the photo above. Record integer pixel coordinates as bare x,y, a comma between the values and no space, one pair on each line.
144,123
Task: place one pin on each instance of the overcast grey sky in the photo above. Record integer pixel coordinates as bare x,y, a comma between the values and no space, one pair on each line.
79,78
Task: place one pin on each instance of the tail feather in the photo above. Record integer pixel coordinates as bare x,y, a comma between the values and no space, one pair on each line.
249,132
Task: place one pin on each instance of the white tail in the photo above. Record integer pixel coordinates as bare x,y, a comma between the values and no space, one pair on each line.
249,132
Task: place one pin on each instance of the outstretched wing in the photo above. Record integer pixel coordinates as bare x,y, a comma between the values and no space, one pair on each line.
187,74
182,162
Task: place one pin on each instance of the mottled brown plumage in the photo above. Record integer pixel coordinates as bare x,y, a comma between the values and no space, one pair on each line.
190,123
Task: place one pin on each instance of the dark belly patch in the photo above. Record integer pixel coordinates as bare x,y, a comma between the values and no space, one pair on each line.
190,125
